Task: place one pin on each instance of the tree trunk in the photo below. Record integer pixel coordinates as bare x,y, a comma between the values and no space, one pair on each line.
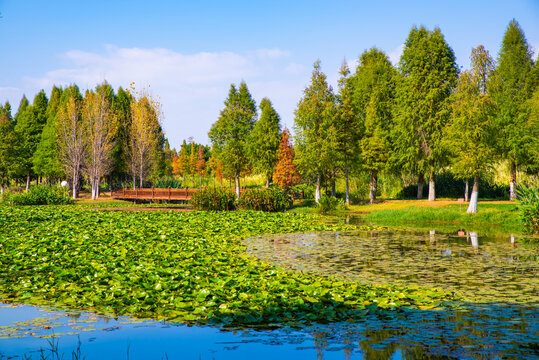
472,208
513,184
134,181
141,173
466,190
432,194
420,183
2,189
268,180
237,178
75,181
347,196
374,186
333,192
27,182
317,193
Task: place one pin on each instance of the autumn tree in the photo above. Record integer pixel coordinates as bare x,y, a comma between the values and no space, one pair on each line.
71,136
470,133
264,140
99,133
316,133
201,164
230,132
512,86
285,174
143,135
374,94
428,74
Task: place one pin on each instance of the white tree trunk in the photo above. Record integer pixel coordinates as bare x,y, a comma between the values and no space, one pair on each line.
27,182
432,194
347,198
472,208
317,193
2,189
466,191
374,187
420,183
237,178
513,183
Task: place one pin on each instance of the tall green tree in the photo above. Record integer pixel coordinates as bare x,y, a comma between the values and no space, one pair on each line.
29,126
315,128
229,134
374,94
46,162
428,76
122,110
8,146
193,157
264,141
470,134
348,123
512,86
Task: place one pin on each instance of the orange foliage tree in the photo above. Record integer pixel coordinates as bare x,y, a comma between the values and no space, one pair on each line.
285,174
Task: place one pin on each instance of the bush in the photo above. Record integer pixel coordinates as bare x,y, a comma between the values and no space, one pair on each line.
328,203
214,199
306,190
40,195
271,200
528,197
168,182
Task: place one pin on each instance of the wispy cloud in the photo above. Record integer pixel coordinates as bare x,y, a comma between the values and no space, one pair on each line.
395,55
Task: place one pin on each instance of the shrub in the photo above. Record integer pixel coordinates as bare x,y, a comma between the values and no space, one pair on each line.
40,195
329,203
168,182
303,189
528,197
214,199
271,200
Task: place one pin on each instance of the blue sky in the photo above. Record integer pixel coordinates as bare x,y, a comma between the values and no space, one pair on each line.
190,52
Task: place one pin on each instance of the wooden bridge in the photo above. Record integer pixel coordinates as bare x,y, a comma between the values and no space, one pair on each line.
154,194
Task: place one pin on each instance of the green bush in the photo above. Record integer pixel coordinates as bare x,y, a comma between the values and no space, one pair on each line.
214,199
271,200
328,203
40,195
168,182
528,197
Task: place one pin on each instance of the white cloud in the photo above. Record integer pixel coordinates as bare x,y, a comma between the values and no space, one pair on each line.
395,55
191,87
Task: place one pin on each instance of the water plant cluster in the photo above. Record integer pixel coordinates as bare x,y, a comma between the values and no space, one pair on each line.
185,267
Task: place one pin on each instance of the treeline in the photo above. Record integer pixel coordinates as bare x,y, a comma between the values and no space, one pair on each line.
417,119
84,137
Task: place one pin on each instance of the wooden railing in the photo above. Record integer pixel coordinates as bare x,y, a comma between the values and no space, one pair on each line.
154,194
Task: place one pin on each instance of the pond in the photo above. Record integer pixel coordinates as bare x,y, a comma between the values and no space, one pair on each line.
495,276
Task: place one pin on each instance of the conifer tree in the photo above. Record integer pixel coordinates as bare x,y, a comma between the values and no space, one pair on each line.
193,156
8,147
285,174
230,132
183,161
264,140
316,132
122,111
428,76
470,134
512,86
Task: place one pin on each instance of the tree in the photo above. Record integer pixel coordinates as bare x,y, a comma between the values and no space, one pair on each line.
99,132
512,86
201,163
193,157
470,134
316,133
46,162
143,135
230,132
374,93
285,174
349,126
29,126
264,140
8,146
428,76
120,160
71,142
183,161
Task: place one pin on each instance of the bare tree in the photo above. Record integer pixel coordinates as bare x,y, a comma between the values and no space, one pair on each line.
143,135
99,130
71,144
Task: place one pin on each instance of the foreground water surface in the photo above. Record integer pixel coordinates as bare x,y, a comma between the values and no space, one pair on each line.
495,276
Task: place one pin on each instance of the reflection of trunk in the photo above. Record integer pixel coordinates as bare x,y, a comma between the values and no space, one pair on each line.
374,185
472,208
513,184
317,193
466,190
347,198
420,182
512,240
432,234
237,178
474,239
432,195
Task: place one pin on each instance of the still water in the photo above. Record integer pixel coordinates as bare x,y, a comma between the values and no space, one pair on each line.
498,317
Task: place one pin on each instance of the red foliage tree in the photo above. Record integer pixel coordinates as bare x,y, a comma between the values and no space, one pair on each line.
285,174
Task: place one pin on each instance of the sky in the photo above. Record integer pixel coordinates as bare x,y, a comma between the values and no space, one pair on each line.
188,53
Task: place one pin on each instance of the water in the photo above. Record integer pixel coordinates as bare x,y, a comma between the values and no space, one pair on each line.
498,319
